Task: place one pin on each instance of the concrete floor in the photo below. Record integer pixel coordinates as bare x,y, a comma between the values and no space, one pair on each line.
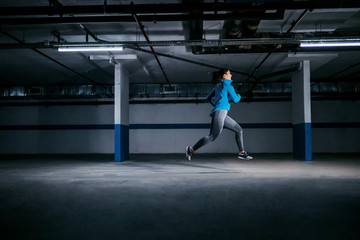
166,197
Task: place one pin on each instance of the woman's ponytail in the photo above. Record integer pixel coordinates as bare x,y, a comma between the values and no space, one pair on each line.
216,78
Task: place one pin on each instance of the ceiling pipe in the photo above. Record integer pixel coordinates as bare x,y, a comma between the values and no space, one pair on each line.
88,32
148,40
179,8
209,43
271,51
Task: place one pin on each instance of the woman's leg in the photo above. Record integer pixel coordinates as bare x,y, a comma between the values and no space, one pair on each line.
217,125
232,125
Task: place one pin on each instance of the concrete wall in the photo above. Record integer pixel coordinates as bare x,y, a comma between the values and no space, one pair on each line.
89,129
60,136
175,140
343,133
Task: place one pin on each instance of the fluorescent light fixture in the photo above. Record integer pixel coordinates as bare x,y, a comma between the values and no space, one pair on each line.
89,49
330,44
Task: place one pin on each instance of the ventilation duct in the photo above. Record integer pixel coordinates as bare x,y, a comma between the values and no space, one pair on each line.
249,28
195,30
233,29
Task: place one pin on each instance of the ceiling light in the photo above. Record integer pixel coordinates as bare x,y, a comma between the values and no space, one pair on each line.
330,44
89,49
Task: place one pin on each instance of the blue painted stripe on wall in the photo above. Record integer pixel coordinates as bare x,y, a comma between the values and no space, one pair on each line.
170,126
302,144
121,142
207,125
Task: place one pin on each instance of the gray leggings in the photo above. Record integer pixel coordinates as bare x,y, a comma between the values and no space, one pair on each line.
221,120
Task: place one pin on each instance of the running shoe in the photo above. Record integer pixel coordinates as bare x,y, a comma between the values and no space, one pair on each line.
188,153
245,156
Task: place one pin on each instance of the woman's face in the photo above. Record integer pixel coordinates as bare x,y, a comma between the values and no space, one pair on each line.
227,75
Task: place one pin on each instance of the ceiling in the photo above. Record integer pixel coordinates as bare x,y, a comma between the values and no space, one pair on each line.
257,40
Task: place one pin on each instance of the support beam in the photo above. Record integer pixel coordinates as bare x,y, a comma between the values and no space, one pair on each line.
301,112
178,8
290,42
121,113
143,18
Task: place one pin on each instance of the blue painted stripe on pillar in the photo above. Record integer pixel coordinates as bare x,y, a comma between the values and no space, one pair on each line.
302,145
121,142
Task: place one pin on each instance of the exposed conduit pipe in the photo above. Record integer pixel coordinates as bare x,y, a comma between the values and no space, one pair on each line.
272,50
88,32
148,40
50,58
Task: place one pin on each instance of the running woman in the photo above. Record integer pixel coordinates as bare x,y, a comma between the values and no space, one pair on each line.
220,98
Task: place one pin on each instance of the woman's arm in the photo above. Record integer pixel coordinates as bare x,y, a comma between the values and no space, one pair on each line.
233,96
210,97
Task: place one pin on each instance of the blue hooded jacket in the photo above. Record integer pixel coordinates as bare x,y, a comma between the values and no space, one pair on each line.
222,96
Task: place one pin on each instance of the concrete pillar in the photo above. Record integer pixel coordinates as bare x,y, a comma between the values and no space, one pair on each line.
121,113
301,112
